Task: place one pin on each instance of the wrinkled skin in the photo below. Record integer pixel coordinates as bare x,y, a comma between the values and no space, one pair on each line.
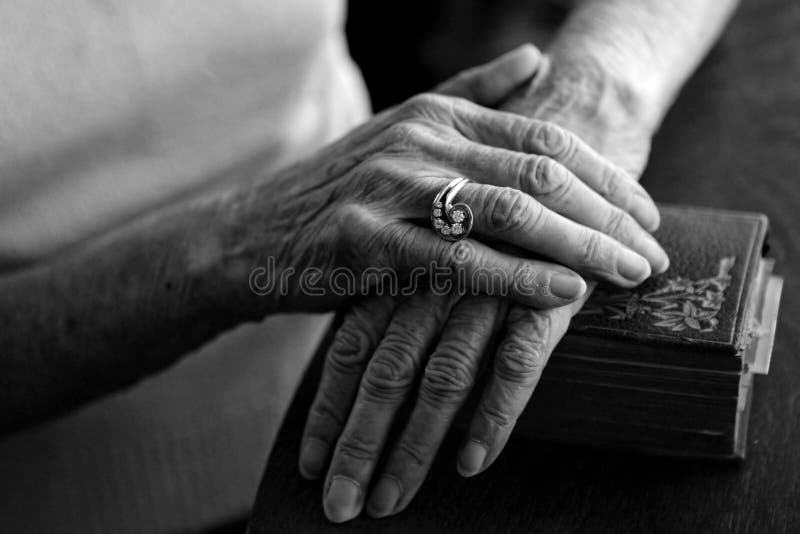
387,347
574,92
354,205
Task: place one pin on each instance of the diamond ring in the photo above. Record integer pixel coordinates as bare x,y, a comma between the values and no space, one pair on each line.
451,221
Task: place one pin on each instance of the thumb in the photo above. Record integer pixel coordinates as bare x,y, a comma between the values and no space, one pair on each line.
490,83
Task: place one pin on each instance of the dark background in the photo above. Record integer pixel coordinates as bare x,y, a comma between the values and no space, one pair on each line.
407,48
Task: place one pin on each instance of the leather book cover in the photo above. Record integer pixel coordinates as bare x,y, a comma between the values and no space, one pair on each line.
700,301
667,367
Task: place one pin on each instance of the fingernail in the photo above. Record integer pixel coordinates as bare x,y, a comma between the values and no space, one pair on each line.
655,254
384,497
645,212
567,286
631,266
471,459
312,458
341,502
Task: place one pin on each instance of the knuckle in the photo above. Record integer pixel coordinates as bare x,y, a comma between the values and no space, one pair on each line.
615,221
349,347
448,377
354,447
616,186
451,256
520,363
609,185
391,373
351,215
590,250
620,225
499,417
352,219
529,325
625,196
523,278
509,210
375,168
547,177
552,140
413,453
393,245
404,133
324,411
423,104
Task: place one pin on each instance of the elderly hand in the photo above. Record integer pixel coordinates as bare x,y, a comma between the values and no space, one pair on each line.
577,92
383,345
353,207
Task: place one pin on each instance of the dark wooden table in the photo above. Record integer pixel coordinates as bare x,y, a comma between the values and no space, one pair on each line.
731,141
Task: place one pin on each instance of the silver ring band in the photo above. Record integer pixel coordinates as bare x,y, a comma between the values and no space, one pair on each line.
452,221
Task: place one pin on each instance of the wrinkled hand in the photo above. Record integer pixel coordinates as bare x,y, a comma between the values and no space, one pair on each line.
542,190
381,350
575,90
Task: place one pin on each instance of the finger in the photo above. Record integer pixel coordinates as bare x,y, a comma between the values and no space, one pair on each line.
448,379
506,214
552,184
517,133
518,364
387,381
467,266
492,82
355,340
518,219
433,120
529,340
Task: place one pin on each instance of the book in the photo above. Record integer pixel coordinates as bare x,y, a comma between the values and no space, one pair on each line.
668,367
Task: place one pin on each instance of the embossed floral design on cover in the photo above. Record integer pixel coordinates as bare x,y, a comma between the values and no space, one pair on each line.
679,304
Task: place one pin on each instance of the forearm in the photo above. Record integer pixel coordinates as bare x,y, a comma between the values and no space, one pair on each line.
120,309
620,62
649,46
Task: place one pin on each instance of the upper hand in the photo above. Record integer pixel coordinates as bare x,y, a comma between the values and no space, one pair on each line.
536,187
574,89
